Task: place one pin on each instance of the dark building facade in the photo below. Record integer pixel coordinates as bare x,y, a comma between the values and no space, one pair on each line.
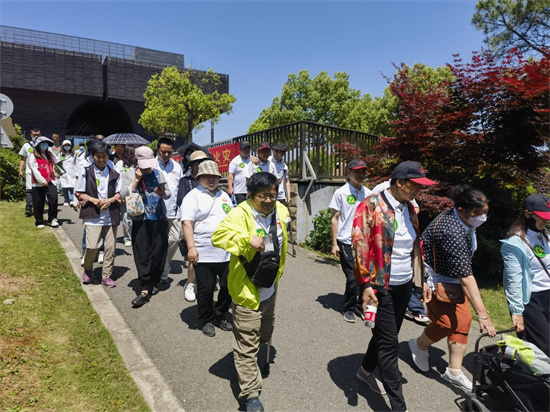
63,89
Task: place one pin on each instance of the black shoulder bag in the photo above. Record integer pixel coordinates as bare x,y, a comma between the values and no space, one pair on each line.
263,268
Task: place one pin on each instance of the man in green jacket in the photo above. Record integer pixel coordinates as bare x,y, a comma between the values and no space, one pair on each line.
244,232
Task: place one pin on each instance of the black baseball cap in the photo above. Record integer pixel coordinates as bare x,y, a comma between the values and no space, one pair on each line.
411,171
244,144
264,145
357,164
281,147
538,204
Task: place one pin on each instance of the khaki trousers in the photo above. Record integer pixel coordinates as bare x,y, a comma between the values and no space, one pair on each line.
173,245
250,328
94,235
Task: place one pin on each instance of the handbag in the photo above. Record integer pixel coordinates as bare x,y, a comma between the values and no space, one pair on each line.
263,268
134,203
446,292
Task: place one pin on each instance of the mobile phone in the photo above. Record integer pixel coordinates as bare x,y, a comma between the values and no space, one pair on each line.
161,185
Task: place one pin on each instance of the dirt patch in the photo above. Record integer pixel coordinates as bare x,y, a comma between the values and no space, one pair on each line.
12,284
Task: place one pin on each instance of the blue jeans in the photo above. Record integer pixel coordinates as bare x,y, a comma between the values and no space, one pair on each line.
415,306
68,194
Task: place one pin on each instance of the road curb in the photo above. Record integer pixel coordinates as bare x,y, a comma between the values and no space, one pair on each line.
156,392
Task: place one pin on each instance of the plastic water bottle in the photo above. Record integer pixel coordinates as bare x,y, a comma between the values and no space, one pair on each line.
370,314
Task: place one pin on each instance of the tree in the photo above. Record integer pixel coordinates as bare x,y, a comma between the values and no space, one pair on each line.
324,100
521,24
176,104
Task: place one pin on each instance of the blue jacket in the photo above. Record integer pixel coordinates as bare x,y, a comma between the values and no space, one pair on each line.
517,276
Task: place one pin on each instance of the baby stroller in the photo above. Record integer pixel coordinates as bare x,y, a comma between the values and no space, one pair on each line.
504,385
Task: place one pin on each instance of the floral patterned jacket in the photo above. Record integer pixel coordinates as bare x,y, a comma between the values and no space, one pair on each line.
372,237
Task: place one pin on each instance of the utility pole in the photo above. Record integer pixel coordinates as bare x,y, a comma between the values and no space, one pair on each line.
211,130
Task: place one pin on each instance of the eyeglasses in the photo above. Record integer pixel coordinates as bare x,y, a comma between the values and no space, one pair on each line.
263,197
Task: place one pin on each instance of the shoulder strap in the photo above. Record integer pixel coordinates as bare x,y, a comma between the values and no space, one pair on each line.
273,230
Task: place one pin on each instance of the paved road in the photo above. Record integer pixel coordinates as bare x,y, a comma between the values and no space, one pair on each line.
316,354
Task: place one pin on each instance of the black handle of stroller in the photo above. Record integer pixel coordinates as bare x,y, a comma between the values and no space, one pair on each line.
483,335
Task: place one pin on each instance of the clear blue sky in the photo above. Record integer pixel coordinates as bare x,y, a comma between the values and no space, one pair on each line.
258,43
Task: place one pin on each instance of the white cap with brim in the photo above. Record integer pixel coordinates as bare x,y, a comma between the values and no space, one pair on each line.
43,139
66,142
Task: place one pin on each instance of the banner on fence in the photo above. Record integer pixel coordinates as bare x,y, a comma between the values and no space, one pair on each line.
224,154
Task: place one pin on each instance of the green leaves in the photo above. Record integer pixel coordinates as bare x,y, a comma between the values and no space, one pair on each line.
521,24
176,102
325,100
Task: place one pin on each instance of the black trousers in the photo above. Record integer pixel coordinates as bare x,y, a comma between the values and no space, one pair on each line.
39,195
206,276
352,299
383,350
149,245
536,318
240,197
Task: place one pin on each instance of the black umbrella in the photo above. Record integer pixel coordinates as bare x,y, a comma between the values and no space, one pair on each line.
126,138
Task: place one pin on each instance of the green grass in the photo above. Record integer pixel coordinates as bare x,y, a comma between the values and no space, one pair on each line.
55,354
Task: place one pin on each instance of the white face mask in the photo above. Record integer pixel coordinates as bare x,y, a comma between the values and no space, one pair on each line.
477,221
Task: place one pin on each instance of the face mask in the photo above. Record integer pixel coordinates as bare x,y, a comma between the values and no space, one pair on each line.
67,148
43,146
531,223
477,221
188,157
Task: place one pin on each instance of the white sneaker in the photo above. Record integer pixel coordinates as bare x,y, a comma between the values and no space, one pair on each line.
420,357
460,381
100,257
127,243
66,204
190,293
40,226
54,223
82,261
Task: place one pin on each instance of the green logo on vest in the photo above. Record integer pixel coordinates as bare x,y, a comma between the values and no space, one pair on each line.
539,251
261,232
31,150
395,226
351,200
241,165
226,208
97,182
259,169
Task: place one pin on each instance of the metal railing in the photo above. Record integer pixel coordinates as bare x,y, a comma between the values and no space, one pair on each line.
83,45
328,148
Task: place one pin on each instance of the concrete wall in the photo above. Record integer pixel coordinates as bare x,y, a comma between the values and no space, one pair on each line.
306,208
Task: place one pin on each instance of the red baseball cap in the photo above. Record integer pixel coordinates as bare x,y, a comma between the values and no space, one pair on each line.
264,145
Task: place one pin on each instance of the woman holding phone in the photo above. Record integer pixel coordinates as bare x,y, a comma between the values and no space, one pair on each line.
149,230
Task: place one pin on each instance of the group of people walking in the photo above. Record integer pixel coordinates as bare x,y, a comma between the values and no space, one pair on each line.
238,240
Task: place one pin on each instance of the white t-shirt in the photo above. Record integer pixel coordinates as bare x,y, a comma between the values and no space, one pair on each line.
403,243
263,223
541,281
173,174
27,149
281,172
345,201
268,166
239,167
102,181
206,211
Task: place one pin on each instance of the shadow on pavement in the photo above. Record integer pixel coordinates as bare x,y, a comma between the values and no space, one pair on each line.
332,301
190,316
326,261
342,371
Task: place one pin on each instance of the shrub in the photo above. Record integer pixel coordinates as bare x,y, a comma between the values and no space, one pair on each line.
320,238
12,188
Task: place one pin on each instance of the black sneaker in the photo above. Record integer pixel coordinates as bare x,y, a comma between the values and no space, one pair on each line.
349,316
209,330
29,214
141,299
223,324
155,291
254,405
